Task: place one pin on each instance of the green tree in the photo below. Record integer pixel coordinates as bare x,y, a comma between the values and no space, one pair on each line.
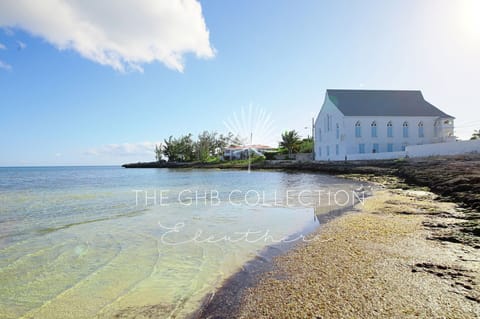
170,149
290,141
475,135
179,149
186,149
205,145
306,145
234,140
223,141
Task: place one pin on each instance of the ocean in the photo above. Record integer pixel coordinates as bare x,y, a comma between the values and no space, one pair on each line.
85,242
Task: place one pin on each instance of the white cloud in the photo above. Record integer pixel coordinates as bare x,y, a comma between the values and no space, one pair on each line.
2,47
5,66
123,35
124,149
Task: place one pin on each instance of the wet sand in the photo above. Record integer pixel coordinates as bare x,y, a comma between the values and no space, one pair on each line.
385,259
228,300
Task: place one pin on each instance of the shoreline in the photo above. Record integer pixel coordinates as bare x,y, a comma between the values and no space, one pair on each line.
383,259
443,227
225,301
455,178
438,199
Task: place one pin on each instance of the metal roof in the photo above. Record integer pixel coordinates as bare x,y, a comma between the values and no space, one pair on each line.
383,103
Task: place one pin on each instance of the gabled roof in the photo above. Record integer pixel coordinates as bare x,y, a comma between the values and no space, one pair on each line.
383,103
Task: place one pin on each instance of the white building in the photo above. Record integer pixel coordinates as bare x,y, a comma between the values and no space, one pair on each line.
367,124
241,152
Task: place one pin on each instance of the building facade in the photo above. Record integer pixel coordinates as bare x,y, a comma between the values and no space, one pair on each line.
241,152
376,124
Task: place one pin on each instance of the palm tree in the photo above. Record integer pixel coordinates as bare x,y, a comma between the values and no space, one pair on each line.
475,135
290,141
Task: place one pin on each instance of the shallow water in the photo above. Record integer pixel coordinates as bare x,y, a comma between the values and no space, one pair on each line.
83,242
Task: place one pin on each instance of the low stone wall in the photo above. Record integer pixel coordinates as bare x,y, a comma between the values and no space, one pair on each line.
280,157
376,156
303,157
452,148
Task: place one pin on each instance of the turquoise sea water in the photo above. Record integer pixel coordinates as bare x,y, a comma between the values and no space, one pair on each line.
84,242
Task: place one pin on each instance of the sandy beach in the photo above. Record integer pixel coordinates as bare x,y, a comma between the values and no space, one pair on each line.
400,255
379,262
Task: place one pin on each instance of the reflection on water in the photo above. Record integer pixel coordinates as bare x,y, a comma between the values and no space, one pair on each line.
74,244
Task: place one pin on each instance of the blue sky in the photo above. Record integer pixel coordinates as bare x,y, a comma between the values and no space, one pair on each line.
59,106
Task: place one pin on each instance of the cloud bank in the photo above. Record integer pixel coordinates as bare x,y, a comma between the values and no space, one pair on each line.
124,149
121,34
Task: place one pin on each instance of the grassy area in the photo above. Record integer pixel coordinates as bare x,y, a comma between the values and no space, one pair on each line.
241,163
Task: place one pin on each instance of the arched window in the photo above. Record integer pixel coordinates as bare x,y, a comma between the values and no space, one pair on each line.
405,129
420,130
374,129
319,135
358,129
329,122
389,129
338,131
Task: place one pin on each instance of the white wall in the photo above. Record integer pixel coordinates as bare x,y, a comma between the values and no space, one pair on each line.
453,148
325,137
425,150
382,139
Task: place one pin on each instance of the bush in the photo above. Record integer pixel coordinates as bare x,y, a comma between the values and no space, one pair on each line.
270,155
282,151
212,160
306,146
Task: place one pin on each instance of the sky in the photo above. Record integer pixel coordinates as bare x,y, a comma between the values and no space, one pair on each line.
100,82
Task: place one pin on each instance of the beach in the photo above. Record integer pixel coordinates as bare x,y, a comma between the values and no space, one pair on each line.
382,260
407,252
378,262
128,246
